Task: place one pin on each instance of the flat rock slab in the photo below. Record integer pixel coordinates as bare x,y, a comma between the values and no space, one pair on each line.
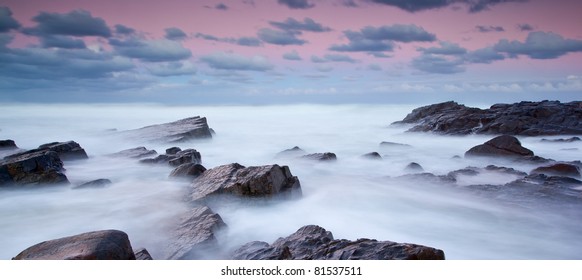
96,245
315,243
174,132
253,181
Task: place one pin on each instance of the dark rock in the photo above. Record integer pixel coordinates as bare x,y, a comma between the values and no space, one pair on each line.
156,160
315,243
372,155
473,171
505,170
501,146
40,167
195,236
414,167
7,144
562,140
394,145
174,132
253,181
97,245
467,171
172,150
428,177
70,150
186,156
139,152
558,169
320,157
293,152
523,118
188,170
142,254
99,183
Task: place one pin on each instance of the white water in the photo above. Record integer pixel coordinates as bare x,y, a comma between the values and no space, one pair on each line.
351,197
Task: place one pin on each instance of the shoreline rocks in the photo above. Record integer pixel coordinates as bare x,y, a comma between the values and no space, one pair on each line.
40,167
187,129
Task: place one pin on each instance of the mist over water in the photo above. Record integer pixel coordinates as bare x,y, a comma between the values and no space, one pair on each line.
352,197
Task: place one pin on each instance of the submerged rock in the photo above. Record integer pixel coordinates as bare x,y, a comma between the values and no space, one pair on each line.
394,145
195,236
562,140
96,245
293,152
558,169
253,181
30,168
505,146
523,118
320,157
174,132
7,145
315,243
372,155
138,152
188,170
99,183
414,167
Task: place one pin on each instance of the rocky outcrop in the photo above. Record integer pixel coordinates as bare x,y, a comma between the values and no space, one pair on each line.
70,150
315,243
188,170
505,146
7,144
558,169
372,155
523,118
414,167
320,157
31,168
195,236
253,181
293,152
175,158
173,132
138,152
99,183
97,245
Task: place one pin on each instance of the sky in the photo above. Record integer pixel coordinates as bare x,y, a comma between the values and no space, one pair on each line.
289,51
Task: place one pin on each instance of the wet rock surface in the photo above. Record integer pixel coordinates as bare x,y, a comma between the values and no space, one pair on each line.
32,168
174,132
523,118
188,170
501,146
315,243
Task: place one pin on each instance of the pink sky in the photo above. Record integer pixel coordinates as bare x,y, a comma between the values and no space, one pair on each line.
551,57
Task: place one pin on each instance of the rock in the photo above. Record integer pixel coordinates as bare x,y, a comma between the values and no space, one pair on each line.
99,183
186,156
253,181
70,150
474,171
156,160
320,157
195,236
505,170
174,132
172,150
372,155
188,170
414,167
428,177
40,167
501,146
558,169
315,243
523,118
293,152
97,245
7,144
561,140
139,152
142,254
394,145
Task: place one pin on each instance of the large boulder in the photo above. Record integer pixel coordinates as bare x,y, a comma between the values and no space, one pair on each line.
69,150
315,243
173,132
30,168
501,146
195,236
188,170
253,181
523,118
96,245
7,145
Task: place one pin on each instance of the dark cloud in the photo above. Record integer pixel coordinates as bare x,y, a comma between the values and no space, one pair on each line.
248,41
7,22
438,64
207,37
490,28
75,23
364,45
484,55
332,58
296,4
381,39
172,69
379,55
446,48
173,33
293,55
151,50
474,6
63,42
232,61
451,58
525,27
242,41
540,45
308,24
349,3
221,6
278,37
124,30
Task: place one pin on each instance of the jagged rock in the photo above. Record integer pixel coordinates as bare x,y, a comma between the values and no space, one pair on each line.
253,181
139,152
315,243
558,169
142,254
96,245
195,236
188,170
186,156
99,183
372,155
70,150
320,157
501,146
172,150
293,152
7,144
40,167
562,140
174,132
414,167
523,118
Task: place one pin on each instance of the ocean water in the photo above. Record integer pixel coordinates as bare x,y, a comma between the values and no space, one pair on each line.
352,197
